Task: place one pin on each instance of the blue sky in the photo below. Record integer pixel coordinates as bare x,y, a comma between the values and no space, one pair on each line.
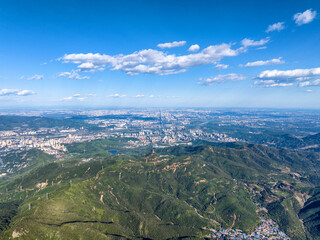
139,54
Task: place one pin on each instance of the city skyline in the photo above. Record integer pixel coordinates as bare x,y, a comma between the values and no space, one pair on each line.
160,54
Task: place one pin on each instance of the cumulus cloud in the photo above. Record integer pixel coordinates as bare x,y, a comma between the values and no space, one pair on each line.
275,27
16,92
222,78
222,66
171,44
305,17
117,95
264,63
35,77
194,48
251,43
152,61
72,75
139,96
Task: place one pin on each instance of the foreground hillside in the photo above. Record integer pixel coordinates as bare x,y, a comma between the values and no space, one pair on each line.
180,192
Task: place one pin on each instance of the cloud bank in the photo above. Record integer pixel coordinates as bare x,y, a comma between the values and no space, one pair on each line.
152,61
301,77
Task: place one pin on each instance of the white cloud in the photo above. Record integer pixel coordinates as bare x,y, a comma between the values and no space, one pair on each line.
222,66
310,83
297,74
301,77
16,92
305,17
280,85
309,91
153,61
251,43
271,83
76,96
194,48
275,27
151,96
5,92
222,78
117,95
263,82
305,84
171,44
72,75
35,77
264,63
67,98
89,67
26,93
92,95
139,96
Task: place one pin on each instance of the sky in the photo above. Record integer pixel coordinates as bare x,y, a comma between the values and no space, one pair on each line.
259,54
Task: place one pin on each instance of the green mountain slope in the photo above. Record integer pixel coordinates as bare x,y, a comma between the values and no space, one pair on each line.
175,192
310,214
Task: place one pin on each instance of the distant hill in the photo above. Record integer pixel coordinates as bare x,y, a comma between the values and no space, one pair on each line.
11,122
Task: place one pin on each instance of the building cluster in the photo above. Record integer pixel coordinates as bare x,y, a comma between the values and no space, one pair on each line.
166,129
51,141
268,229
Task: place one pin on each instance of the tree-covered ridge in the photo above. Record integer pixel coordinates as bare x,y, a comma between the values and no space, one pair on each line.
172,192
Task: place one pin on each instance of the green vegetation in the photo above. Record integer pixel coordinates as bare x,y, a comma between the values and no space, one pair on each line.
310,214
171,193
